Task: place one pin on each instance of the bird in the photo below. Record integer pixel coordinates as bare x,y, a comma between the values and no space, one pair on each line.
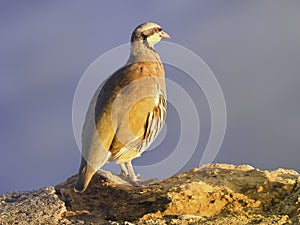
127,111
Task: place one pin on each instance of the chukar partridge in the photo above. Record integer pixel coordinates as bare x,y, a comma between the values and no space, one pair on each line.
127,112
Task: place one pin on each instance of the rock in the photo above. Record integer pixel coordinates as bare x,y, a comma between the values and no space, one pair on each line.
210,194
32,207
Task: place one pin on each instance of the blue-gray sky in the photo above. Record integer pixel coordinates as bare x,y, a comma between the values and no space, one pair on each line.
253,48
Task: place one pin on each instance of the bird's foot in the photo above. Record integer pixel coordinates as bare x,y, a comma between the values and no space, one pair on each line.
127,174
138,181
147,181
123,175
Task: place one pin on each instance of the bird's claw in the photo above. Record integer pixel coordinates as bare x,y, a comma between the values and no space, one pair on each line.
138,181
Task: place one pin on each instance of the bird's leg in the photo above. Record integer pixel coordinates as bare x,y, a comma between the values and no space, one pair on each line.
133,178
136,180
124,171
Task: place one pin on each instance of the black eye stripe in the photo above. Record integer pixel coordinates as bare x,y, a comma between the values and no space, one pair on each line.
157,29
142,35
151,31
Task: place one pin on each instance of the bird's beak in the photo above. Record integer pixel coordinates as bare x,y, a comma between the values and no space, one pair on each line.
164,35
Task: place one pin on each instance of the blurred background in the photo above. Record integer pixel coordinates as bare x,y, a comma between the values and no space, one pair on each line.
253,48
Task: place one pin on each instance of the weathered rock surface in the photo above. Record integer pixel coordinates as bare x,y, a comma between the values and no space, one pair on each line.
211,194
32,207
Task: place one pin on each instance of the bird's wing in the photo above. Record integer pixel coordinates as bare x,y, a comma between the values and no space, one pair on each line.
98,132
100,127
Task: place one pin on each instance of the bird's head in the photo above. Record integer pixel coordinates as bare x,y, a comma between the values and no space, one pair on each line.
149,33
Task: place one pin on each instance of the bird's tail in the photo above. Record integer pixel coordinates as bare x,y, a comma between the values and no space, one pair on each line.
85,175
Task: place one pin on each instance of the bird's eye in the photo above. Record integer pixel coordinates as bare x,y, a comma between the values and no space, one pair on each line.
159,29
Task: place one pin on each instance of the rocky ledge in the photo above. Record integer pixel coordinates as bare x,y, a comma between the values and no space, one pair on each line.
210,194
